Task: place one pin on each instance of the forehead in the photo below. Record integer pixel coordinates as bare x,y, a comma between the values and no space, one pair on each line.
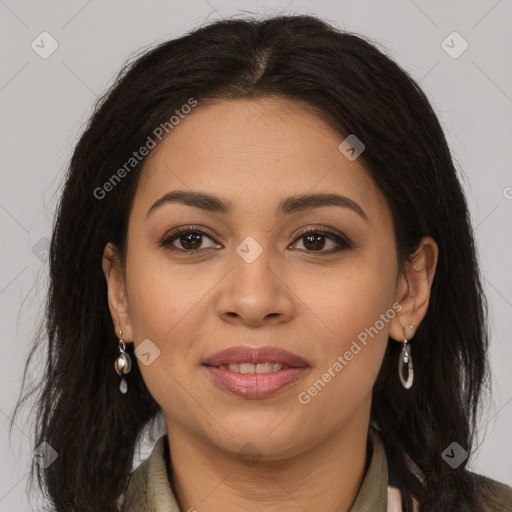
255,152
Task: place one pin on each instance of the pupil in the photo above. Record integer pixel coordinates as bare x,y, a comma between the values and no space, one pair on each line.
310,239
189,239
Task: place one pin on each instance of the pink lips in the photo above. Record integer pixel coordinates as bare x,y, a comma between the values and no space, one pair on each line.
264,354
255,385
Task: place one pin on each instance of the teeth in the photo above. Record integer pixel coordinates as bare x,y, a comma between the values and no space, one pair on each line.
253,368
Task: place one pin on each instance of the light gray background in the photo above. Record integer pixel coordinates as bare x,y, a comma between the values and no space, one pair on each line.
45,102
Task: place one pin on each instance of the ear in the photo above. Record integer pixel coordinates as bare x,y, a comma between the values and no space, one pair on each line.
117,299
413,290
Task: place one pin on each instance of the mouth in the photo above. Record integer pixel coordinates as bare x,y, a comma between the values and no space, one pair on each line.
262,359
255,372
248,368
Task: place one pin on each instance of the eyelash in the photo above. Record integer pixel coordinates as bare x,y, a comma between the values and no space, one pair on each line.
173,235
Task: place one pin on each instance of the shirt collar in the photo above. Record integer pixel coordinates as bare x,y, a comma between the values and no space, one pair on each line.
373,493
149,487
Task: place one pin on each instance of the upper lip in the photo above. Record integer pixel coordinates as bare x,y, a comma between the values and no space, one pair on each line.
263,354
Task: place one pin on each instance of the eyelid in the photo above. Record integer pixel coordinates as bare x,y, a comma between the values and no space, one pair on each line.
188,227
321,230
180,230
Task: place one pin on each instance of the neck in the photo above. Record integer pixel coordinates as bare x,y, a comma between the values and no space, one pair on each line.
324,478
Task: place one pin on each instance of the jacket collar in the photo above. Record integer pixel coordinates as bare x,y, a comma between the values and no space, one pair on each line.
149,488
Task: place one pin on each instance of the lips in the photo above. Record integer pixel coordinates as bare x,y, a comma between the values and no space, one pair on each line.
264,354
255,386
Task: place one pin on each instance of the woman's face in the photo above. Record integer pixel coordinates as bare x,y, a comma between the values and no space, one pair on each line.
256,277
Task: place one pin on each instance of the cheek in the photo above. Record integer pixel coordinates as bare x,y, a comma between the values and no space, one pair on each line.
342,383
168,303
355,306
164,306
352,297
162,299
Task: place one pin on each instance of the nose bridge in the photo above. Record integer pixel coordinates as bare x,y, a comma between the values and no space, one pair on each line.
254,290
253,267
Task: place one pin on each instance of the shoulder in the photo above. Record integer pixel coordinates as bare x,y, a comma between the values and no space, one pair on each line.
495,496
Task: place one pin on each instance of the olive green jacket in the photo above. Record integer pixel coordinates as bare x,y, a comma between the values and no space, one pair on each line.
149,489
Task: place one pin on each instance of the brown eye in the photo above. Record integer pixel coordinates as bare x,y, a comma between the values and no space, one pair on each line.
189,240
315,241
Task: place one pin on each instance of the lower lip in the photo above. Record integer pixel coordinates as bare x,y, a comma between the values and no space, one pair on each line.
255,385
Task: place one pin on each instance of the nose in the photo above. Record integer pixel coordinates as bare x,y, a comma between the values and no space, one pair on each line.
255,294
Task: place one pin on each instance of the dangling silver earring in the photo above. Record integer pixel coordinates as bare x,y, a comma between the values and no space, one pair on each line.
123,364
405,359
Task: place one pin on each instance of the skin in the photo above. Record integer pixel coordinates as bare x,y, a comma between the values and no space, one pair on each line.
256,153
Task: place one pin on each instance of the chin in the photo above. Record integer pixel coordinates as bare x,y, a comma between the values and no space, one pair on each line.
271,443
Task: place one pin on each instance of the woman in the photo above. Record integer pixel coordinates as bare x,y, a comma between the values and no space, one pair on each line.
263,241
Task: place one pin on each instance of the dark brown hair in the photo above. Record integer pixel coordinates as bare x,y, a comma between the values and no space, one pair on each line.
359,90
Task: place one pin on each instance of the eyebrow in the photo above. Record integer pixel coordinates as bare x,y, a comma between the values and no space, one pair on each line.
289,205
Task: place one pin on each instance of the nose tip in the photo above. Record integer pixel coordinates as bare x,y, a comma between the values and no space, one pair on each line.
253,294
